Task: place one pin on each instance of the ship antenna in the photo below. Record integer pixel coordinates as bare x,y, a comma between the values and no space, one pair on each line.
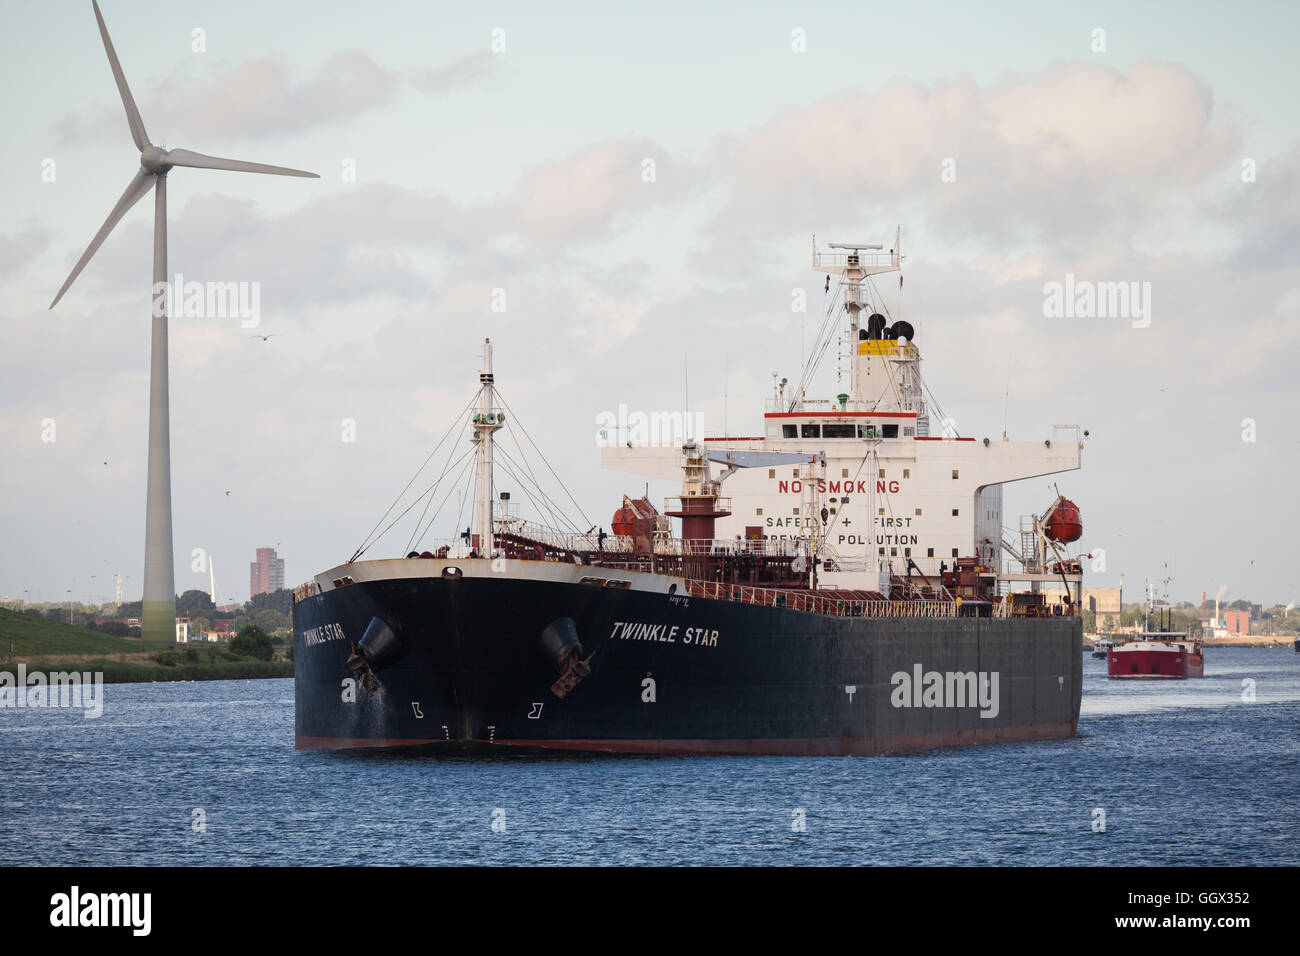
686,378
486,421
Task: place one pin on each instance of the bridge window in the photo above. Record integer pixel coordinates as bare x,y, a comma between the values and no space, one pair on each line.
867,431
889,431
909,431
810,431
789,431
838,431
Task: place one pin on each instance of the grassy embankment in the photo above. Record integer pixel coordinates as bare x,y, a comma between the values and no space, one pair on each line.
51,646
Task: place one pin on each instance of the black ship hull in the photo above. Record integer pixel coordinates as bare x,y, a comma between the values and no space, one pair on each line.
465,667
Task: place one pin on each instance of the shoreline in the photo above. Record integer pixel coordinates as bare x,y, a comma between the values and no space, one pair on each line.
1286,641
141,672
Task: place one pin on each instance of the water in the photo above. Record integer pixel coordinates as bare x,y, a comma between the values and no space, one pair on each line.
1186,772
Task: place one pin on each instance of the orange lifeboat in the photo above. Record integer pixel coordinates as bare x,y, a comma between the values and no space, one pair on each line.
1065,525
622,524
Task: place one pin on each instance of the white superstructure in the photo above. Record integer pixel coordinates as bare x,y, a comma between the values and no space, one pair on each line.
878,487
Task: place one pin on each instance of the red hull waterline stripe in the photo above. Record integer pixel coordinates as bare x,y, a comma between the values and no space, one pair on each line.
784,747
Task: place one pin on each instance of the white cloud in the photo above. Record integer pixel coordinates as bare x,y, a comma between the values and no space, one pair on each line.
1049,156
263,98
16,252
585,194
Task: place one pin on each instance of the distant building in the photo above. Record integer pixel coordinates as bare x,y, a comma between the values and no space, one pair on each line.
182,630
1106,605
1237,622
266,574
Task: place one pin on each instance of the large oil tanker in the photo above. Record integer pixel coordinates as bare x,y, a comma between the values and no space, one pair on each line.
839,584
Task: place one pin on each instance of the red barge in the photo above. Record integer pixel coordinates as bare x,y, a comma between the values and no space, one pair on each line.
1161,654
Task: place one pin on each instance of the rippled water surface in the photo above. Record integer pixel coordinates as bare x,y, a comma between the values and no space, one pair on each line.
1186,772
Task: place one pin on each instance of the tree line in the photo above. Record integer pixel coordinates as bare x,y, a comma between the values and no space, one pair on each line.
270,613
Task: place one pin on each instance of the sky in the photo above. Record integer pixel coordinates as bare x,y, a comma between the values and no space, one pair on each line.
484,173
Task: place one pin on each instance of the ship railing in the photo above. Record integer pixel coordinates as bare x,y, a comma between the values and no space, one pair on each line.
625,544
563,540
841,260
677,504
456,547
813,406
819,603
701,547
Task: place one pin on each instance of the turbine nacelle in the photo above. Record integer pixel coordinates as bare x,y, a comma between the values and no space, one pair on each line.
153,159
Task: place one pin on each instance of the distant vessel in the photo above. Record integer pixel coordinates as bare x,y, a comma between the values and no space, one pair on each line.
1157,652
843,595
1101,646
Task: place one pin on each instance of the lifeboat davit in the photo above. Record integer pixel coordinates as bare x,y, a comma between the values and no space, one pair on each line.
1065,525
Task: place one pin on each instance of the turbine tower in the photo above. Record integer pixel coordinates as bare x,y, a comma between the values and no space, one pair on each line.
159,611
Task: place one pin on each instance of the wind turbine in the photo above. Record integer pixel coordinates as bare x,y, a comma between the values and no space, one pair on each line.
159,609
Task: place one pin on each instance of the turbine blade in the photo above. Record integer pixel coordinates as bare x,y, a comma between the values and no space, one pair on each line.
132,114
140,185
187,157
